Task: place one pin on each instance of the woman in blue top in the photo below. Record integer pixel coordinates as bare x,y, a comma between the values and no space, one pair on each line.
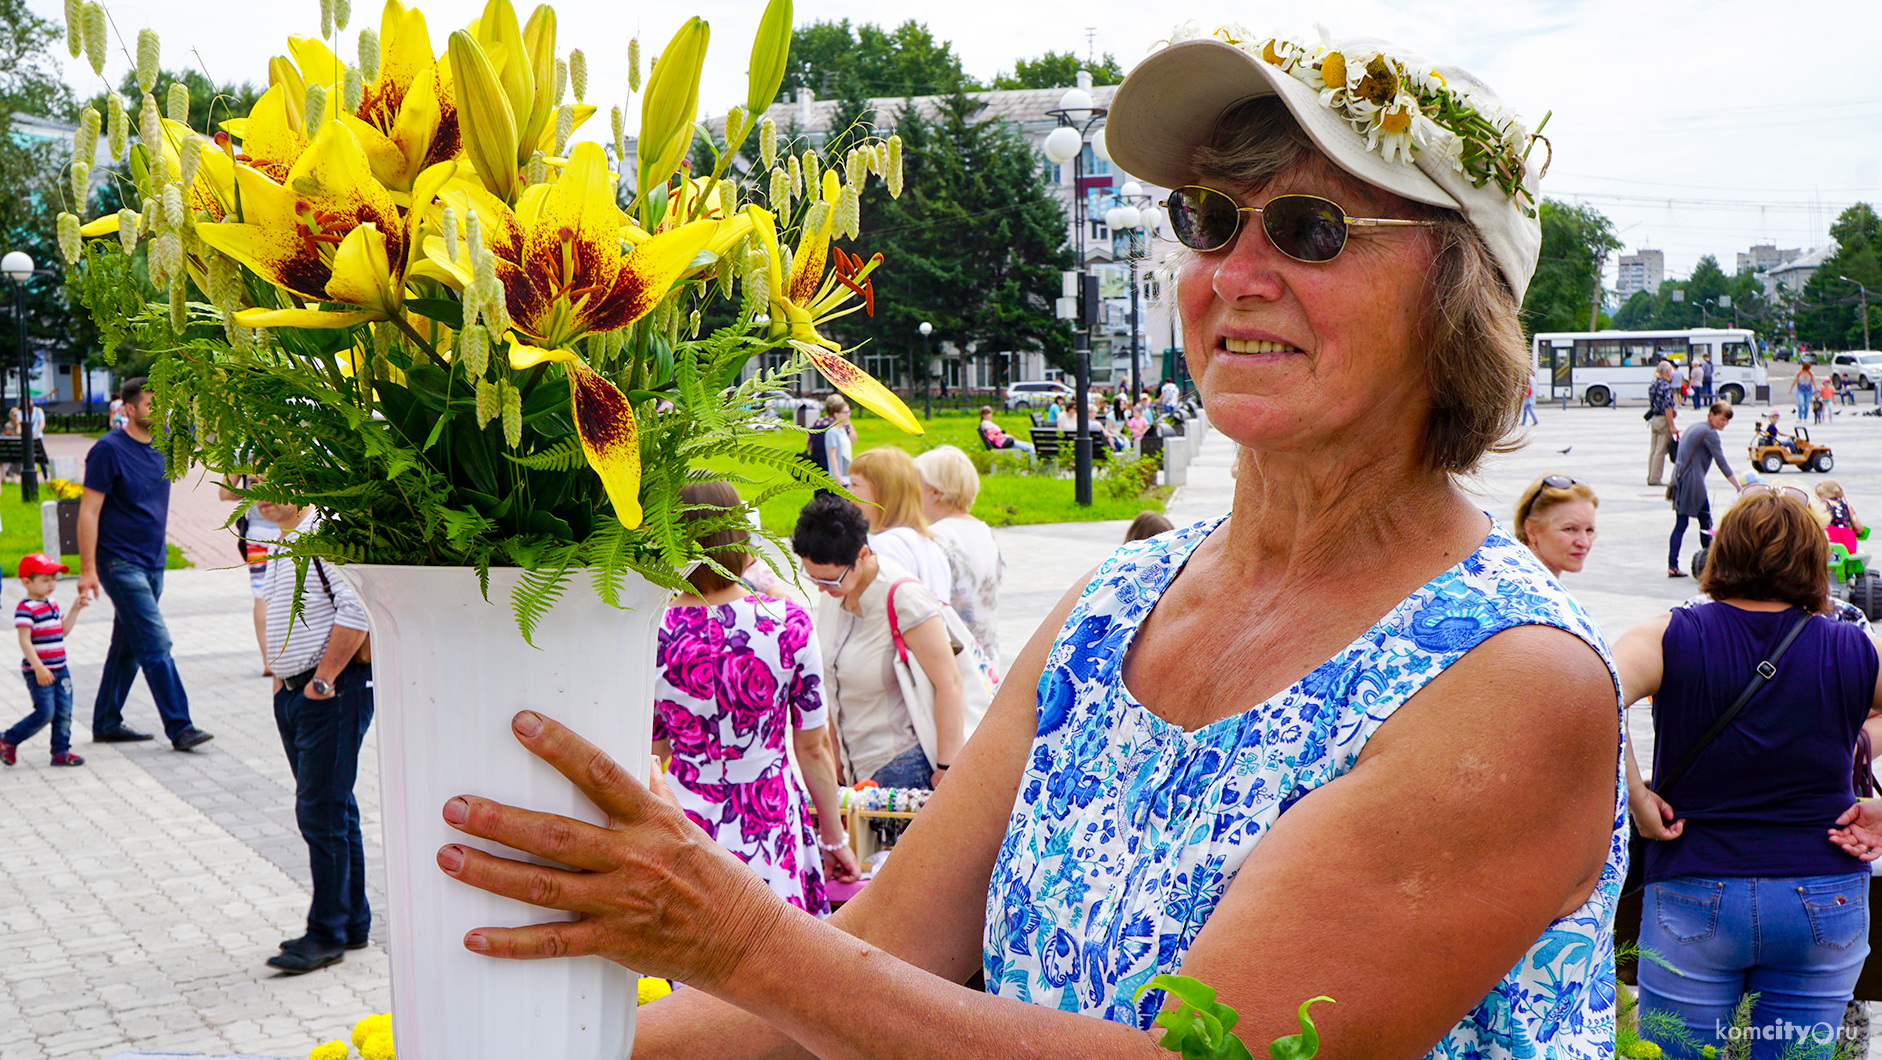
1745,894
1352,741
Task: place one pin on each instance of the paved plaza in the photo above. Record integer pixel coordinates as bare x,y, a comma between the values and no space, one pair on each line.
140,894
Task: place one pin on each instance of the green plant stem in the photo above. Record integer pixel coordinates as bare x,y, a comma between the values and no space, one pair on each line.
430,351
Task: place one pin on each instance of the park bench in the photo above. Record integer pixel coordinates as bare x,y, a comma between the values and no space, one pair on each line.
12,447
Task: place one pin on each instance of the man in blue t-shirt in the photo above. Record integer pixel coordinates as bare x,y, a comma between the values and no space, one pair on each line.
121,523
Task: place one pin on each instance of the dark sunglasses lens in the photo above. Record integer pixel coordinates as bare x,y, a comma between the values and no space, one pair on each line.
1202,219
1557,482
1305,227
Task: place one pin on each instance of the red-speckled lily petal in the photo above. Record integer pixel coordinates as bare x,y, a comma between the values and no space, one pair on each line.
861,386
610,438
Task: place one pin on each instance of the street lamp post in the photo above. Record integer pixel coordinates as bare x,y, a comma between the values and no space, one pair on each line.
1076,117
927,391
18,267
1865,310
1133,215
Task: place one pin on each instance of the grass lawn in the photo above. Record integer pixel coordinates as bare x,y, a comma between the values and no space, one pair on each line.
1008,496
20,534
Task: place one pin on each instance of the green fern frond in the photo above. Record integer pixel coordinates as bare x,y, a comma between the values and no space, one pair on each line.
538,590
564,456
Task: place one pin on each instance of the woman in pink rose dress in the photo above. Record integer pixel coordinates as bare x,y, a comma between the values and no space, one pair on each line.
737,671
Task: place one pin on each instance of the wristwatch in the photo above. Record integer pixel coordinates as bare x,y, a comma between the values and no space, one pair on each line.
321,688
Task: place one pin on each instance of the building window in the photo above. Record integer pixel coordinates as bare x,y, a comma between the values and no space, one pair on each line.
1095,166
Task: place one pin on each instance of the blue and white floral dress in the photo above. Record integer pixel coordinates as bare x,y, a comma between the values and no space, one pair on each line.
1127,829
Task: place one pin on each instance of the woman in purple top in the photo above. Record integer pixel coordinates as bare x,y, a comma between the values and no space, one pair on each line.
1745,892
737,671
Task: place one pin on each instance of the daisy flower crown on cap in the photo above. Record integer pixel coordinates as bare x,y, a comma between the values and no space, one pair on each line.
1402,106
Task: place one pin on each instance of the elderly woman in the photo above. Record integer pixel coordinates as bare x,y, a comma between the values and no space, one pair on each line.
1203,761
1744,893
949,485
1555,518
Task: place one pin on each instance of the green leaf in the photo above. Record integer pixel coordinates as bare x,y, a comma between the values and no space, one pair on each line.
1302,1046
446,311
564,456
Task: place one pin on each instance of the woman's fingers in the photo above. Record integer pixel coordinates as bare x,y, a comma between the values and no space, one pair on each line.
1850,814
586,766
576,938
576,844
539,885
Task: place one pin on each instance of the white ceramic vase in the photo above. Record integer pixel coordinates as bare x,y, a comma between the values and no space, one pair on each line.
450,669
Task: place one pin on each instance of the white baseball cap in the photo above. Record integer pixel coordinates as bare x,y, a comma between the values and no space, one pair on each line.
1169,104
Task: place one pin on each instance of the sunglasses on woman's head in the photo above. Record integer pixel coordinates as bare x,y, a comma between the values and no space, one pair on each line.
1558,482
1790,491
1303,227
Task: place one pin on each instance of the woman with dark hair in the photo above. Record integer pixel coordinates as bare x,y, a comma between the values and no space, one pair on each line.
1204,760
1744,893
880,733
737,671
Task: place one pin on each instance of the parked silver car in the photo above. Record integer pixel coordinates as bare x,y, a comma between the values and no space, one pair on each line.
1037,394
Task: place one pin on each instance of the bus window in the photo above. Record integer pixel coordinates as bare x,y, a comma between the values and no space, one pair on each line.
1597,353
1637,353
1740,355
1672,349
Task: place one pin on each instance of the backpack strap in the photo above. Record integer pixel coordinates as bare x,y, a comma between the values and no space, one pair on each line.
895,623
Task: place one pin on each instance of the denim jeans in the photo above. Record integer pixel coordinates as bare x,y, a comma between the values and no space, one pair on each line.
52,703
1679,533
139,640
910,769
1796,942
1529,413
322,739
1803,404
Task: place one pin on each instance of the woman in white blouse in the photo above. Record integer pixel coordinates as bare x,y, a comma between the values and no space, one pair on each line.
885,483
949,484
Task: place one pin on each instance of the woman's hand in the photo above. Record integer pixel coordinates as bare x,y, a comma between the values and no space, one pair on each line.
1861,829
1653,815
841,865
653,892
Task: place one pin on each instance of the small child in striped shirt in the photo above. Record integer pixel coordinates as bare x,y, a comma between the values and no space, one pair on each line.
42,647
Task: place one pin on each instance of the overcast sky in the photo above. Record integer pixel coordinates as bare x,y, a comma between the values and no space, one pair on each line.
1698,126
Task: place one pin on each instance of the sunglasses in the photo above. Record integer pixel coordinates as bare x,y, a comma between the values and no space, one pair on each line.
827,583
1304,227
1554,482
1792,491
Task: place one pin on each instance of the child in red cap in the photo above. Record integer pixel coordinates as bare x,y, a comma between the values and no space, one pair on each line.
42,643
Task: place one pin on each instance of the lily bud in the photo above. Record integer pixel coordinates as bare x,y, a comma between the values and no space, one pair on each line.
315,109
147,55
512,415
354,90
342,13
578,74
150,126
769,51
369,53
485,118
71,245
768,142
75,27
671,104
633,64
118,125
95,43
127,229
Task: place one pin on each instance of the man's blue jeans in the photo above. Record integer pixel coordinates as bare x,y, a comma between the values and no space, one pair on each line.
322,739
1797,942
139,640
51,703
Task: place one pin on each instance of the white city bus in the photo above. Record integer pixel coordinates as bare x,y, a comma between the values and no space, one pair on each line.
1602,367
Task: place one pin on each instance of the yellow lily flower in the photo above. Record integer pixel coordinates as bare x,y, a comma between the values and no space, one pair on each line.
604,420
330,234
559,256
407,119
809,297
273,135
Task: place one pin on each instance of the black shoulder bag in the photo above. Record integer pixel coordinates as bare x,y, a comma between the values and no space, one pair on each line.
1637,843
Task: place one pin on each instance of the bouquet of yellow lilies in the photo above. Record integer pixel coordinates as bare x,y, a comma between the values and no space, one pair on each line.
401,291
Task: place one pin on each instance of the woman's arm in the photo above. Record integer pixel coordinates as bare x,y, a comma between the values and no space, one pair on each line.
934,653
813,758
1642,666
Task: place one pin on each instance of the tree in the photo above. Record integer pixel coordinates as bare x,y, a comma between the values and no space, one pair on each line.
210,104
974,246
834,59
1058,70
1575,241
1830,315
